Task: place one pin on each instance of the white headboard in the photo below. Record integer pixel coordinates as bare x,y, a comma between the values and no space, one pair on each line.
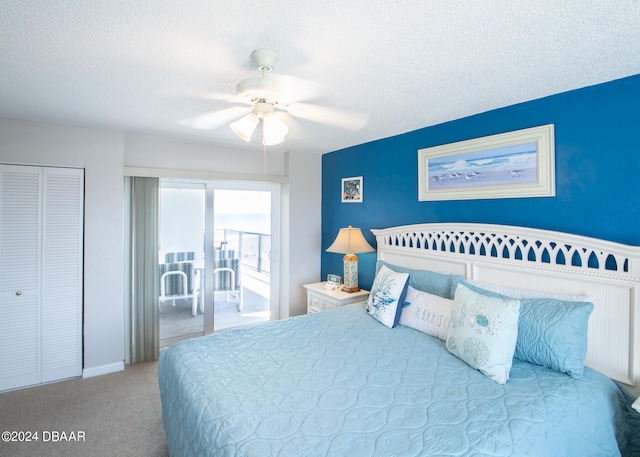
539,260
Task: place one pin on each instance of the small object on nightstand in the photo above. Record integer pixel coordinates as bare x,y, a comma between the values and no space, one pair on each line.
319,298
333,282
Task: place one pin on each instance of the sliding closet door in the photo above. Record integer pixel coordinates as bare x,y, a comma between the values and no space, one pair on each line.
40,274
20,209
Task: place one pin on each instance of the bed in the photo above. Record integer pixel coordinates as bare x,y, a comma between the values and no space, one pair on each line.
349,382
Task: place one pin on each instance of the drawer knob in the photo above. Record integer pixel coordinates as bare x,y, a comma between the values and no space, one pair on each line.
18,293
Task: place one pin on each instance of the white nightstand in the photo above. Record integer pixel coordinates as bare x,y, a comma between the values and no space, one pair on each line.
319,298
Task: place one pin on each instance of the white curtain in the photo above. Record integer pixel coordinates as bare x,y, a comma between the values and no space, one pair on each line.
145,327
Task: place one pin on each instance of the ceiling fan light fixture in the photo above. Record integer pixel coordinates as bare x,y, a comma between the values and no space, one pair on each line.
274,130
245,126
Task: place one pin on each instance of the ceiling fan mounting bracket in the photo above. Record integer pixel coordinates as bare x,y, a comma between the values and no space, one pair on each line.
265,59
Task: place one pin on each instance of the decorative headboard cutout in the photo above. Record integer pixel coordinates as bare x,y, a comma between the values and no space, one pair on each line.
548,261
515,243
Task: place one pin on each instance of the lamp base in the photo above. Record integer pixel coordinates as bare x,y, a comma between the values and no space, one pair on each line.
350,273
350,289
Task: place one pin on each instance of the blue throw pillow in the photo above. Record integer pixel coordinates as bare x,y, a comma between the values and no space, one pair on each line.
551,332
440,284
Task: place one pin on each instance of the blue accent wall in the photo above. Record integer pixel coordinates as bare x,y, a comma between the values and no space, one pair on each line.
597,153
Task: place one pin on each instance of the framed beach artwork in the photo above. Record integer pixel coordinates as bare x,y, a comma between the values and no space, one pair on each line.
508,165
352,189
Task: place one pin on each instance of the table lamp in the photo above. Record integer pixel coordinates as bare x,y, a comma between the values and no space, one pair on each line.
350,242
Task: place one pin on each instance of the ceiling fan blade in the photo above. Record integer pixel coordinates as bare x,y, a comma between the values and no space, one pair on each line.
293,89
215,119
219,96
347,120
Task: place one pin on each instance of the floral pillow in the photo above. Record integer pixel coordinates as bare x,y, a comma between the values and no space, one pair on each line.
387,295
483,332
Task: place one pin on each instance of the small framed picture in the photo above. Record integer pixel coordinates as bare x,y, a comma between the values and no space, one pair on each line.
352,189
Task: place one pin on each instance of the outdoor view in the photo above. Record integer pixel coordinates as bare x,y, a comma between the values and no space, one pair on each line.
241,259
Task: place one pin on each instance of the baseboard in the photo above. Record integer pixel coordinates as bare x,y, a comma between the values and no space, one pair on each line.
103,369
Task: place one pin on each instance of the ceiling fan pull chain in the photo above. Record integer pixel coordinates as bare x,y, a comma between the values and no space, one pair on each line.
264,157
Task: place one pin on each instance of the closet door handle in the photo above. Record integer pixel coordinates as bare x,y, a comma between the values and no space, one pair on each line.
19,293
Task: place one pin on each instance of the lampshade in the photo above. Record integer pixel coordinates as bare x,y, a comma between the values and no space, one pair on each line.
350,241
245,126
273,130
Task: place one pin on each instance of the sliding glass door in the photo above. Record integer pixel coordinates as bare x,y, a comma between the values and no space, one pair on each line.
217,244
242,257
180,259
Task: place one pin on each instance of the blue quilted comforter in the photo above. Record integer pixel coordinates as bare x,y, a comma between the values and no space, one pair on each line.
338,383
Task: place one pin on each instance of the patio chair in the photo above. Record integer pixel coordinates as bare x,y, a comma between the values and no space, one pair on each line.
177,282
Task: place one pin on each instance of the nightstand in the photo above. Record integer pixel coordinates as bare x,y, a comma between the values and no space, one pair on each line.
319,298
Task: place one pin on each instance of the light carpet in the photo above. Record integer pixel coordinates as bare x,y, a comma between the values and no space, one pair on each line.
118,414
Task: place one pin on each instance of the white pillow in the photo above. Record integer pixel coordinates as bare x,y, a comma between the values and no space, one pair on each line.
426,313
386,296
523,293
483,332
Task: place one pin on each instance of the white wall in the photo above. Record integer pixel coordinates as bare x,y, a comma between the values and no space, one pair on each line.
104,154
167,153
304,228
99,152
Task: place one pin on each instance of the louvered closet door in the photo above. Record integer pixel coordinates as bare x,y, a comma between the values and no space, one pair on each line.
20,209
40,274
62,273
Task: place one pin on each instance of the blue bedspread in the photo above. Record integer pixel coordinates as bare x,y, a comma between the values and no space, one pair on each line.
338,383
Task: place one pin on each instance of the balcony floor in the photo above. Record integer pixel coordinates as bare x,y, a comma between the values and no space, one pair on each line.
177,321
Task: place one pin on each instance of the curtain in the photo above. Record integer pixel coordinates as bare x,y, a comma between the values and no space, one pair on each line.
145,286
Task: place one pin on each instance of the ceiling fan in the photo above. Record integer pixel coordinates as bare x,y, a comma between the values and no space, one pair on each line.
265,97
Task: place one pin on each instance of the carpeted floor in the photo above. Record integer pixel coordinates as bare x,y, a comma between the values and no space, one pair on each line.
118,414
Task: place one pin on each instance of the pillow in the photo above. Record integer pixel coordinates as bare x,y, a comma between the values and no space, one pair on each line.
523,293
388,290
426,313
443,285
483,332
552,333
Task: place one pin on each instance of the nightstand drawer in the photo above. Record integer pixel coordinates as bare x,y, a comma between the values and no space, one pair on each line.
316,303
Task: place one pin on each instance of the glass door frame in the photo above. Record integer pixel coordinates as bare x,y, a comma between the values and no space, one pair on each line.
211,186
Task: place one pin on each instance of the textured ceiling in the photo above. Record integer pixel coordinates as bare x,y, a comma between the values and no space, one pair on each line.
145,65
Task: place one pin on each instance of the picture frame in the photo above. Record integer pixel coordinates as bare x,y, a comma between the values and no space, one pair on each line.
507,165
352,189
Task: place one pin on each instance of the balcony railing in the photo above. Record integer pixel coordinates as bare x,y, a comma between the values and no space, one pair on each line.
254,249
